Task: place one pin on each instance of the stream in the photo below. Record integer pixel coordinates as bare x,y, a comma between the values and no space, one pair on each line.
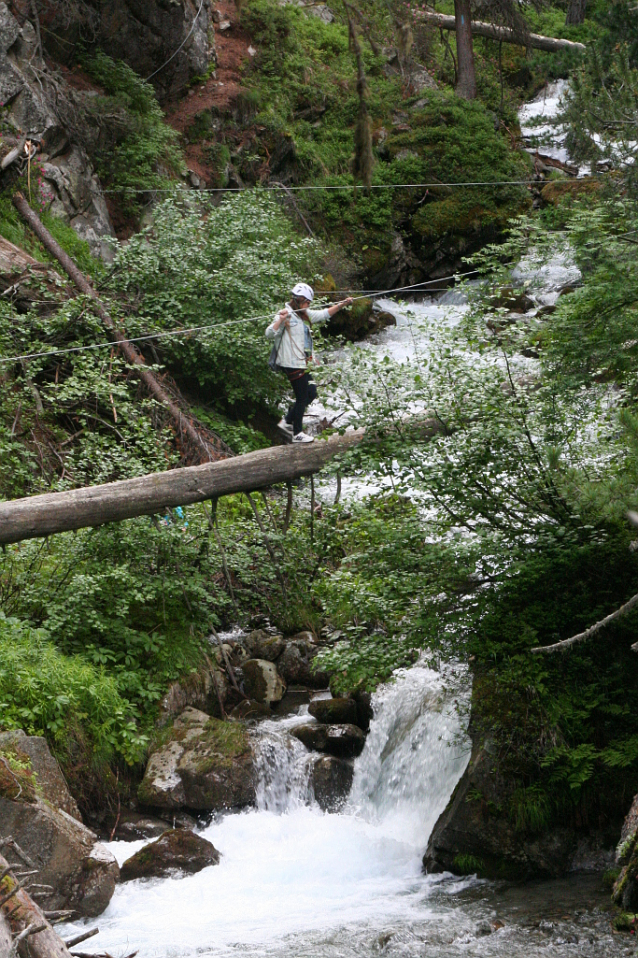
297,882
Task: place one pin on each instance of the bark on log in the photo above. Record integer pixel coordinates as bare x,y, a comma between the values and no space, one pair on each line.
466,80
129,352
20,912
44,515
494,32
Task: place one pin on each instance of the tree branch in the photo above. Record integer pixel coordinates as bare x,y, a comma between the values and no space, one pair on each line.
566,643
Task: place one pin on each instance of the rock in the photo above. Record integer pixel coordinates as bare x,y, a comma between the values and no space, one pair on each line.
473,836
82,872
334,711
146,34
295,663
198,690
295,697
175,851
313,736
203,764
49,780
75,196
625,890
262,681
342,741
365,712
263,645
331,782
249,710
134,825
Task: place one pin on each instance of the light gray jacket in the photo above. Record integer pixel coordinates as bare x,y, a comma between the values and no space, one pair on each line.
293,344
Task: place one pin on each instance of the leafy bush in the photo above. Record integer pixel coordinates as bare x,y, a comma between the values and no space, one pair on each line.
48,693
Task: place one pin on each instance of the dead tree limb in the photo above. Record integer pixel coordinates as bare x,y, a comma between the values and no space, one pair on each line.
43,515
494,32
587,634
26,919
130,353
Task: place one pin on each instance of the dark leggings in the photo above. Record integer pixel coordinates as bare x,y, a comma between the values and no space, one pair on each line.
305,392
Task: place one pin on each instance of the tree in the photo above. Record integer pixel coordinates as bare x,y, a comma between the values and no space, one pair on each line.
466,81
576,12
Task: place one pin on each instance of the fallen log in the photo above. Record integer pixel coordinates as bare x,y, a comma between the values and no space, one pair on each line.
494,32
43,515
127,349
30,930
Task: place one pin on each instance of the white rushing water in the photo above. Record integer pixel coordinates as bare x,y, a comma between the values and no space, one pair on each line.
290,872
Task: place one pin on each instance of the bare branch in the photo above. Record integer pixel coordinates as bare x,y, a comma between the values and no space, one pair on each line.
566,643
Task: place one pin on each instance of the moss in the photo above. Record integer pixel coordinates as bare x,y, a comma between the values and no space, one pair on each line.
468,865
561,191
610,877
625,922
220,745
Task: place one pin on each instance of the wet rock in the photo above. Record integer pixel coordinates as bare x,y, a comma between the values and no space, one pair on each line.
331,782
313,736
249,710
338,711
49,779
262,681
295,697
342,741
201,690
175,851
365,712
203,764
263,645
295,663
133,826
474,836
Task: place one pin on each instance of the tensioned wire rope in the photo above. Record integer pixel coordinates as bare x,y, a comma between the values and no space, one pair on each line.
348,186
212,326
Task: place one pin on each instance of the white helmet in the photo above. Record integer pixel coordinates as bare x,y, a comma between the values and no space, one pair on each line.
303,291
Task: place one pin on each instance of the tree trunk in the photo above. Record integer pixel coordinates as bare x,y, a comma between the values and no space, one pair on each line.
466,82
54,512
129,352
493,32
576,12
20,912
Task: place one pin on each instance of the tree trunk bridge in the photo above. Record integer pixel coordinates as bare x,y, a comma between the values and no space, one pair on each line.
43,515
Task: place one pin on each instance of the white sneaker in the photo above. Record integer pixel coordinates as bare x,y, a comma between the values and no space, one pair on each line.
285,427
303,437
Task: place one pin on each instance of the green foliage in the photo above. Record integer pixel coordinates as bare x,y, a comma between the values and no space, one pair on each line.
468,865
47,693
137,149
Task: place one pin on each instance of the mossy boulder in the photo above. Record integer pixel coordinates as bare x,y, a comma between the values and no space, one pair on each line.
28,769
200,763
177,850
262,681
337,711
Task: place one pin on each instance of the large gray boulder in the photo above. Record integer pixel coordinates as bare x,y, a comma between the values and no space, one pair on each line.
201,690
202,763
474,835
337,710
81,872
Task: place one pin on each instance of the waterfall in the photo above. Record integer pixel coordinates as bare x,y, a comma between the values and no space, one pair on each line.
416,750
283,767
